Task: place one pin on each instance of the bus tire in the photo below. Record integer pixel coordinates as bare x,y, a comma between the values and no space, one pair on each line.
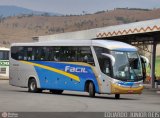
91,89
32,86
117,96
56,91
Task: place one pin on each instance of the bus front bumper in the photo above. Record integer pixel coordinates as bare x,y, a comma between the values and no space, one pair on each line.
116,89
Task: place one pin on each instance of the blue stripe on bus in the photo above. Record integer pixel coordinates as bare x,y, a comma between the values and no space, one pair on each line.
126,83
53,80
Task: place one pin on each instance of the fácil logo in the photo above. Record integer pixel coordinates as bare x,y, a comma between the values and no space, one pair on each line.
75,69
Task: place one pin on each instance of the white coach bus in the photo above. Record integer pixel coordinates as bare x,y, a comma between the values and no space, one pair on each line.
93,66
4,63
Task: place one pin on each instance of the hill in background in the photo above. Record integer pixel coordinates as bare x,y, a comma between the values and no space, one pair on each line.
22,28
6,11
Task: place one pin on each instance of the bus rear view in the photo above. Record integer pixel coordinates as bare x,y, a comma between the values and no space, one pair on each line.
4,63
93,66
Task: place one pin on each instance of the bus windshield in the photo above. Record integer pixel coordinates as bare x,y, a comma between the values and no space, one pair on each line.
127,66
4,55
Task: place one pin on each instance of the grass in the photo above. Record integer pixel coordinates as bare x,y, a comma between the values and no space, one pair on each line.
158,66
157,69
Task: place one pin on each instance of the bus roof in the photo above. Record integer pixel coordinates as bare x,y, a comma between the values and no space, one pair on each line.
112,45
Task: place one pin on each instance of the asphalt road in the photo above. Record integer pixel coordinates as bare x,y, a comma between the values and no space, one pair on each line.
14,99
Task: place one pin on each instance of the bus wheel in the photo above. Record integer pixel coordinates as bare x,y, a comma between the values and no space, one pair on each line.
56,91
117,96
91,90
32,86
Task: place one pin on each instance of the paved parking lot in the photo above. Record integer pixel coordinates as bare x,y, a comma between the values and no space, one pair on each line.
14,99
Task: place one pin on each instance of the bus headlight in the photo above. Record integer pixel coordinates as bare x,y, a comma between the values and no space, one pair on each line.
115,82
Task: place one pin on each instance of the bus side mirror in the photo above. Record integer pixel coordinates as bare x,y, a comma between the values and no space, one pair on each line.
145,60
109,56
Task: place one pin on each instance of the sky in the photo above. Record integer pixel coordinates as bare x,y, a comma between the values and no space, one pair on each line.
80,6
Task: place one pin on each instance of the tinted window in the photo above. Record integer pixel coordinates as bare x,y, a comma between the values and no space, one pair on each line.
4,55
104,62
48,53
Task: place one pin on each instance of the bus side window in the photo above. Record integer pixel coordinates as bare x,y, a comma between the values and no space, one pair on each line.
29,53
14,52
20,53
71,54
66,54
17,53
49,54
104,61
85,55
56,54
37,53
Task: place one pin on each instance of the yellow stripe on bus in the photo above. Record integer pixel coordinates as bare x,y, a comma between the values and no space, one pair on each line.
74,77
